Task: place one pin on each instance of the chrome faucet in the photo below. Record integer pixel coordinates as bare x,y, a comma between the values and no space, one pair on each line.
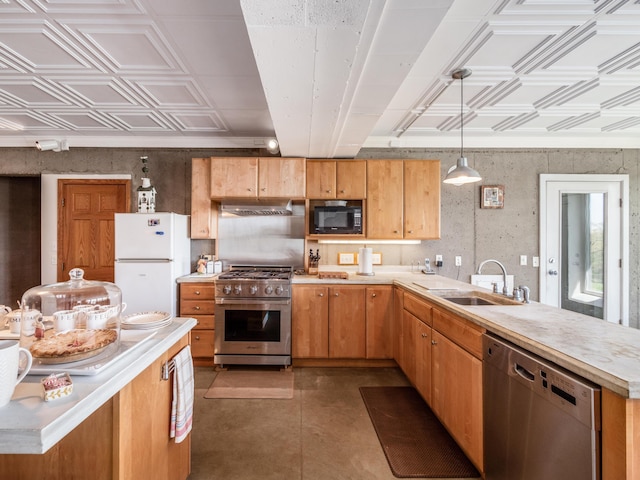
525,292
505,290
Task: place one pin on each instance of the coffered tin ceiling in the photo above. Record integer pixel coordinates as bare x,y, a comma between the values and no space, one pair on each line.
325,77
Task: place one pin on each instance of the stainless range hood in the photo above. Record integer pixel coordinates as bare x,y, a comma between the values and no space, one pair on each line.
256,208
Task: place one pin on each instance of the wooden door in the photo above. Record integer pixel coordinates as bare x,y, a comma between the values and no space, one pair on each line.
409,335
423,360
457,395
422,199
234,177
351,179
347,323
281,177
321,179
204,217
86,225
384,199
310,315
379,305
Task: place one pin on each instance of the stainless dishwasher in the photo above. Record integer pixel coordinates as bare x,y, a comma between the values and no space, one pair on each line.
541,422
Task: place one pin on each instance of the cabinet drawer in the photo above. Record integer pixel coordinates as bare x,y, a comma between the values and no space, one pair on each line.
418,307
462,332
205,322
202,343
197,291
197,307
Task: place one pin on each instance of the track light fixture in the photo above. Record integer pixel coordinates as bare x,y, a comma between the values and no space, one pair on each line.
55,145
273,147
461,173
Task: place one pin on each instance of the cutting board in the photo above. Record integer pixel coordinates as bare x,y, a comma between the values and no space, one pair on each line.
341,275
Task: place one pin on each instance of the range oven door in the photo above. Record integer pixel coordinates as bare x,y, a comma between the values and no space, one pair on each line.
249,327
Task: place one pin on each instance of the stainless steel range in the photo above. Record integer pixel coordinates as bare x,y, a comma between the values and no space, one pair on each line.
253,316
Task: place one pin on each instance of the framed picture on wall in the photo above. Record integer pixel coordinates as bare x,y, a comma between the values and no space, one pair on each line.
492,196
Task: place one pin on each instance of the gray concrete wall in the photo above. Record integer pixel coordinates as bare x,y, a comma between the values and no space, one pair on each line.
475,234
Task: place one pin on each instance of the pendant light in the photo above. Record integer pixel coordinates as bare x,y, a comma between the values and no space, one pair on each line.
461,173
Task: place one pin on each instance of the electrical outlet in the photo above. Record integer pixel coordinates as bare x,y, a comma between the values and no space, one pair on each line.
439,260
523,260
458,260
535,261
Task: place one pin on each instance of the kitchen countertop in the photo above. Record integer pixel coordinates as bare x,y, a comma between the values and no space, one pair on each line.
197,277
28,424
605,353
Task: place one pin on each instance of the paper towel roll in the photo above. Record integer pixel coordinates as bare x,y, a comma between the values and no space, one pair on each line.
365,261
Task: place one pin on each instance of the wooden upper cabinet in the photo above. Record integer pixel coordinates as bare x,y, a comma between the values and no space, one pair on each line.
281,177
204,218
321,179
345,179
384,199
252,177
234,177
421,199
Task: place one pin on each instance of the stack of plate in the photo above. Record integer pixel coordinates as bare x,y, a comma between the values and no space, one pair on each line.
146,321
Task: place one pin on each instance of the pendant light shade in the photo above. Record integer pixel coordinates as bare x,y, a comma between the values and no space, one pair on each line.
461,173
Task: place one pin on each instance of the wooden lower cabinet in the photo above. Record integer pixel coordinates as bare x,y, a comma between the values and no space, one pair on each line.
197,300
126,438
423,360
342,321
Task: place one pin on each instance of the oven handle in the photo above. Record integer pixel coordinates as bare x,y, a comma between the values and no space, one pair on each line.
252,301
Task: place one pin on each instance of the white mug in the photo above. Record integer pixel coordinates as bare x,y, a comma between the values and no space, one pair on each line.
13,319
10,351
64,320
28,322
83,314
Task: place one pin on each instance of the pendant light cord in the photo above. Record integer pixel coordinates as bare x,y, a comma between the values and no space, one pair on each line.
461,118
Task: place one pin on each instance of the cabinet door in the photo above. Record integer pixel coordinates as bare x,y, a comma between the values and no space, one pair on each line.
204,218
351,179
234,177
379,314
384,199
423,360
409,342
281,177
347,324
310,315
457,394
398,308
422,199
321,179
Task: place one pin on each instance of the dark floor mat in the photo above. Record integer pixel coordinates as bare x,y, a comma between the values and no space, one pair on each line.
414,441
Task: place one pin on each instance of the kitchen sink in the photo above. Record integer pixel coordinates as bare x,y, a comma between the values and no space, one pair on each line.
474,297
469,300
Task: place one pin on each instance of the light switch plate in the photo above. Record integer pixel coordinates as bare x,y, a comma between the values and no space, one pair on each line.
346,258
523,260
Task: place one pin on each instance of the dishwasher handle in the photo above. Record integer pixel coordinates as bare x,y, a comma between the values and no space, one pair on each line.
523,372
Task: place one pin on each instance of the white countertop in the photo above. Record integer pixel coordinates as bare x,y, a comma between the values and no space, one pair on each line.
28,424
605,353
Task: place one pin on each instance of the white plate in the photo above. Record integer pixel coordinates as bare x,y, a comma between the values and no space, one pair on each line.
145,319
148,326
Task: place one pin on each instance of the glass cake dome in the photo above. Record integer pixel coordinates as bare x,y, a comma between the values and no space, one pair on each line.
71,321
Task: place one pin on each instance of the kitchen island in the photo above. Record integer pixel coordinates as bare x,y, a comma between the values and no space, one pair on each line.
114,424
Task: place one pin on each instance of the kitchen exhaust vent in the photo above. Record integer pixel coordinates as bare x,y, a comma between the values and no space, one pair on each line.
256,208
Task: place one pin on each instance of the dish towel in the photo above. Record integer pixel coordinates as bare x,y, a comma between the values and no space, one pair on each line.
183,388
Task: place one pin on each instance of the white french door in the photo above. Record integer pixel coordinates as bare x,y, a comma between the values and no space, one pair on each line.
584,238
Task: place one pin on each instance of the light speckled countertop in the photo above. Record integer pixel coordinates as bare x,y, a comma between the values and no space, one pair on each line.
605,353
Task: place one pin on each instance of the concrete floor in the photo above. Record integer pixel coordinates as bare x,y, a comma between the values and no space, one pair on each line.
323,433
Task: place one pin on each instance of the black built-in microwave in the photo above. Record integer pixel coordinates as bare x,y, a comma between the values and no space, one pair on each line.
337,220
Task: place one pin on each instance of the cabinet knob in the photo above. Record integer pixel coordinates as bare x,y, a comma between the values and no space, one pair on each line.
321,294
248,189
341,191
433,342
197,307
197,337
410,231
336,294
264,189
424,335
395,231
329,191
373,294
197,292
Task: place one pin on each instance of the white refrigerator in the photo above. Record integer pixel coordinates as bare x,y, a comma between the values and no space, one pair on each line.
152,250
